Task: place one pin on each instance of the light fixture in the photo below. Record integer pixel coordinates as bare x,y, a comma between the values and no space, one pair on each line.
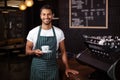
22,6
29,3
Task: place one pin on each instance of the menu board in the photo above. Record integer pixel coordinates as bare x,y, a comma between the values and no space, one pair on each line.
88,14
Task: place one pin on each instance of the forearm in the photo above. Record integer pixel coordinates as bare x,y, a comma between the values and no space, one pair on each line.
65,60
30,52
68,70
29,48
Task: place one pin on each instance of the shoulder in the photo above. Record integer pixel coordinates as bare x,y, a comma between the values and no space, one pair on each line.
34,30
32,35
59,34
57,29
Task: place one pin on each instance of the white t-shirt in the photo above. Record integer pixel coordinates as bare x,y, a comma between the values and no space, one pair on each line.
33,34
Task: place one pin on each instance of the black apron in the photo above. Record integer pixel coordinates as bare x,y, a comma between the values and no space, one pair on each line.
45,67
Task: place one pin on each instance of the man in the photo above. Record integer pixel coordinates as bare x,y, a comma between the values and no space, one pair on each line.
44,64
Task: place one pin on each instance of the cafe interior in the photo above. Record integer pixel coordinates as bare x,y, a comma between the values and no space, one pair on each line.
92,37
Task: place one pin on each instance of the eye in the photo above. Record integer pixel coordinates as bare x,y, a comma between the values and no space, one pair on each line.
43,14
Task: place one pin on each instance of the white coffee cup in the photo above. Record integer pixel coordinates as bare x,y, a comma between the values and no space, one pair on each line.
45,48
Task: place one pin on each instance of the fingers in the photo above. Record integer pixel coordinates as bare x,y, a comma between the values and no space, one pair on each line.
67,74
75,72
71,71
38,52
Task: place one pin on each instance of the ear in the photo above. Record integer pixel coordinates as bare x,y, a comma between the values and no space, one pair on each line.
53,15
40,16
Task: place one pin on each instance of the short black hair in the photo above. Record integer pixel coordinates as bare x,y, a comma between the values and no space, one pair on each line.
47,6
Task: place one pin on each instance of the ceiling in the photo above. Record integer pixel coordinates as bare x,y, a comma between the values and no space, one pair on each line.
10,3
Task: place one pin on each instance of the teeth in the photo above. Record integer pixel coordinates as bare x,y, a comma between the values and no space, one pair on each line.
46,19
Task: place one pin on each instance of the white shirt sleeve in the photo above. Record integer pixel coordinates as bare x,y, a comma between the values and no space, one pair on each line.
59,35
29,37
62,37
32,36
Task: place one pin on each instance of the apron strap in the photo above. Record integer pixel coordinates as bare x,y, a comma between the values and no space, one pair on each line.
38,36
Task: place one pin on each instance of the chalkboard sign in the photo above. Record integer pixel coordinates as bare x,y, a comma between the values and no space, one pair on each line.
88,14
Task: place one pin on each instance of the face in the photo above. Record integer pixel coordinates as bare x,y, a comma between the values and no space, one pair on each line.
46,16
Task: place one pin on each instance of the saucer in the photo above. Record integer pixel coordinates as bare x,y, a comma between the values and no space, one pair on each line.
47,51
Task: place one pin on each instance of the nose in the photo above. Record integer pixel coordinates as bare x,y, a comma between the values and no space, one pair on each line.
46,16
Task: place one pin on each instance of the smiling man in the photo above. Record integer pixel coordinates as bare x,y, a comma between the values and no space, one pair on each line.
44,64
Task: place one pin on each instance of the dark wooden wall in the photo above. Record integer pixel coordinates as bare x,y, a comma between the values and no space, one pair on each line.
12,25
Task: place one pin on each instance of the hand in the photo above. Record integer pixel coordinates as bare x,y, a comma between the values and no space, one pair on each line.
67,71
38,52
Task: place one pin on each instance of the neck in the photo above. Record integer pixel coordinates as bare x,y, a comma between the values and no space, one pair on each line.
46,27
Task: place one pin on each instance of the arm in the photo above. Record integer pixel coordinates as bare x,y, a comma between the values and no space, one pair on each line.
30,51
64,55
65,60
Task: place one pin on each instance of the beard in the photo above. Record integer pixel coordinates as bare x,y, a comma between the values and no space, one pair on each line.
46,21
